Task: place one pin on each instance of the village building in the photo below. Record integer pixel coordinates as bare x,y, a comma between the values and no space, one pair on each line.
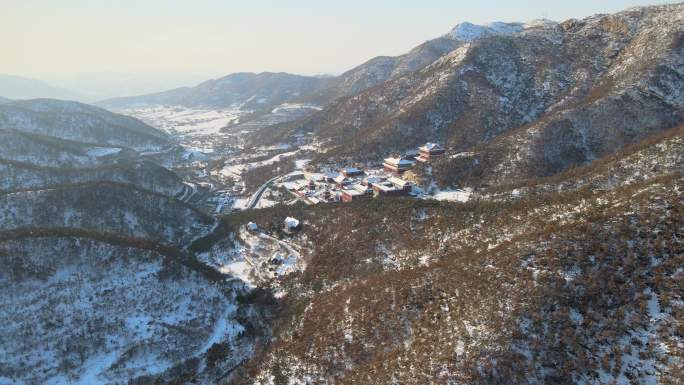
430,151
292,225
341,180
353,195
312,200
363,189
387,189
411,154
393,187
350,195
355,192
315,176
301,185
397,165
372,180
351,172
301,192
330,176
404,185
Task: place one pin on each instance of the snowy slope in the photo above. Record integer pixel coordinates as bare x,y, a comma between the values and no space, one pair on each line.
145,175
88,312
81,123
107,207
43,150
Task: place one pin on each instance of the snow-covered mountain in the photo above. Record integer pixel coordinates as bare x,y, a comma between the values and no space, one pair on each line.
49,143
259,92
468,32
98,286
108,207
578,287
16,176
81,123
263,92
532,103
42,150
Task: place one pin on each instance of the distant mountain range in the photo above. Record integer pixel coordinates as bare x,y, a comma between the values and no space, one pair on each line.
262,92
18,87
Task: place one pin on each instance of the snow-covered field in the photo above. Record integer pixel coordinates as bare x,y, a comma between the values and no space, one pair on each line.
236,170
183,121
453,195
203,128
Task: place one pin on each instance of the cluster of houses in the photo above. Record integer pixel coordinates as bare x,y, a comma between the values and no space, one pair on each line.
347,185
352,183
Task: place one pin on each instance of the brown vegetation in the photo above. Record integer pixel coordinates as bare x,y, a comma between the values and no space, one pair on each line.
500,298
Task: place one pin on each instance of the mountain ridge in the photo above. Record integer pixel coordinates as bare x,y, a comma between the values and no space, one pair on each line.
19,87
594,72
80,122
319,90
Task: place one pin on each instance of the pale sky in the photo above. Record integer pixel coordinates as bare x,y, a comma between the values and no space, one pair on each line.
191,40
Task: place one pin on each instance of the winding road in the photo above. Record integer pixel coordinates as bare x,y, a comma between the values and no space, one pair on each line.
254,199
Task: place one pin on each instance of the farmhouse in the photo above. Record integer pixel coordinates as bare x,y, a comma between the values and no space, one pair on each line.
397,165
430,151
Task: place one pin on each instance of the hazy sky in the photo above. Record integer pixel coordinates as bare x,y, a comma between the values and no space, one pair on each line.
196,39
